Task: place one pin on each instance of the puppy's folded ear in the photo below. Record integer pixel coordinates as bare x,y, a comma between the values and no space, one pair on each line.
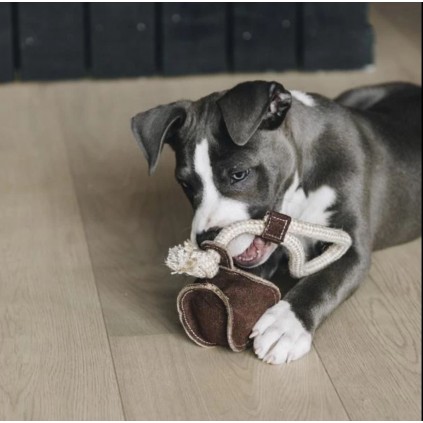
253,105
155,126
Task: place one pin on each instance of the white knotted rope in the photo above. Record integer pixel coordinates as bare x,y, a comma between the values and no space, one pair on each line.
189,259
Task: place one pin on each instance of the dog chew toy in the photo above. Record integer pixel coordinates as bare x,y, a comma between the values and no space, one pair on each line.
223,304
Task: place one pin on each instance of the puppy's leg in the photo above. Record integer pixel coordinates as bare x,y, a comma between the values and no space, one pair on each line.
284,332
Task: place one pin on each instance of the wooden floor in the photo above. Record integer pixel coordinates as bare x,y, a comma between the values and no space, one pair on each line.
88,326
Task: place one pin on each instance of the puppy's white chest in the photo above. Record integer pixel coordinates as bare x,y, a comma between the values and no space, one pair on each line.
313,208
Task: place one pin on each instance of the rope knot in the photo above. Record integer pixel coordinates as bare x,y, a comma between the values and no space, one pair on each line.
190,260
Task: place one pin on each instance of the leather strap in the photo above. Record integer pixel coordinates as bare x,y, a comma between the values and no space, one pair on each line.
276,227
225,258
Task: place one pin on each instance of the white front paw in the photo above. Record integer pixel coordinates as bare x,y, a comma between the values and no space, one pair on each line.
279,337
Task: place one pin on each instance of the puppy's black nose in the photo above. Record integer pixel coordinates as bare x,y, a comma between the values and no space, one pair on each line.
208,235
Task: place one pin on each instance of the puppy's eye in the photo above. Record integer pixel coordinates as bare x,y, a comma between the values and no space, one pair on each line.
239,176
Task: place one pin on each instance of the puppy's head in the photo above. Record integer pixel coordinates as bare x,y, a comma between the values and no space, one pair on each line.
233,160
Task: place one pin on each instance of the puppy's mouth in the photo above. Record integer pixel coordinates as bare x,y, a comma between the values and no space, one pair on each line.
255,254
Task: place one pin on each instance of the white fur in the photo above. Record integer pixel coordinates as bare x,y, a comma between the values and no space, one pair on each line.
313,208
304,98
215,210
279,337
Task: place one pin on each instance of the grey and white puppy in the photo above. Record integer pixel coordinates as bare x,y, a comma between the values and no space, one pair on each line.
352,163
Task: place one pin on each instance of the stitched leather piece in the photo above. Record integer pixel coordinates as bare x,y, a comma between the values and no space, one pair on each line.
203,315
223,310
276,227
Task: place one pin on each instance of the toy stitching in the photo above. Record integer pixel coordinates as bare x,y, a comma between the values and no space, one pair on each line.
277,238
187,323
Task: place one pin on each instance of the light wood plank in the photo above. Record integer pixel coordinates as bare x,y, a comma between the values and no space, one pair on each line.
405,17
371,346
55,361
398,45
167,377
130,219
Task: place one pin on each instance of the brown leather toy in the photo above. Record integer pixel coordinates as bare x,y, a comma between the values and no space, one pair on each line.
223,310
224,303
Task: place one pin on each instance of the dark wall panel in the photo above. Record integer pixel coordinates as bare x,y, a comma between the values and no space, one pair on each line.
51,40
6,42
264,36
47,41
336,36
193,38
122,39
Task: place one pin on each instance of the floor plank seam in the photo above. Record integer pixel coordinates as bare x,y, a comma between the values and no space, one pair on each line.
332,383
72,176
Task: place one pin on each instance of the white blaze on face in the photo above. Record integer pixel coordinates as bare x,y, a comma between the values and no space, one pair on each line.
215,210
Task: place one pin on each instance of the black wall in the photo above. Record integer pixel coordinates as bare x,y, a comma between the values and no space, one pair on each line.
6,42
46,41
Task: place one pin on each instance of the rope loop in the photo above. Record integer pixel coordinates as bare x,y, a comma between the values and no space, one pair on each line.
193,261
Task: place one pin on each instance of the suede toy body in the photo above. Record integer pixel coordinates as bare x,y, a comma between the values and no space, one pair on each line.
225,302
222,310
